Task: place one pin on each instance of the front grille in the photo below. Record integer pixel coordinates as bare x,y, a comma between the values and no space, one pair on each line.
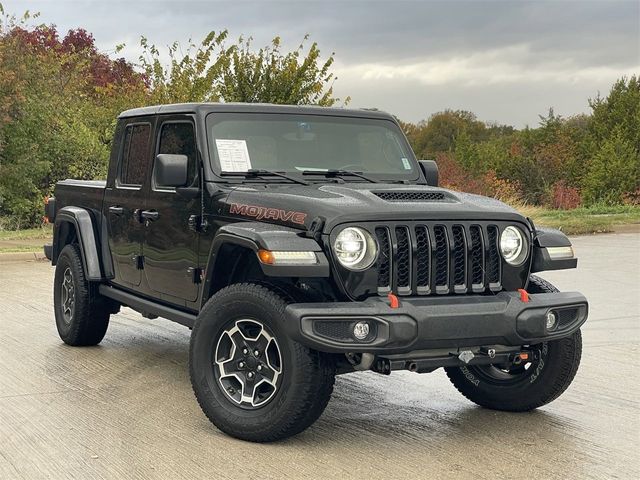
404,196
438,258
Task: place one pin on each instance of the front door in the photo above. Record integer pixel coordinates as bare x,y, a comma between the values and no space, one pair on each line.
124,199
170,246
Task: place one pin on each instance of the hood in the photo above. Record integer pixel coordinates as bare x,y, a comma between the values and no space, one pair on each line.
299,205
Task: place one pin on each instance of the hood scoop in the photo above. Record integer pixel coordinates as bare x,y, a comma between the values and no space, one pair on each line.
413,196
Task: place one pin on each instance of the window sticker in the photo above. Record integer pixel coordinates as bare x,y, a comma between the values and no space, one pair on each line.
406,163
233,154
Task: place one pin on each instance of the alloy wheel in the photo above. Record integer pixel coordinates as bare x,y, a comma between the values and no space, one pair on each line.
248,363
68,295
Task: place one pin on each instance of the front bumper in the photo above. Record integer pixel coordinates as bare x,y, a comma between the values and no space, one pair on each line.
431,323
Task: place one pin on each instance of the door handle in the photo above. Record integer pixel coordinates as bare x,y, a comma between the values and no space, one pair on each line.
149,215
116,210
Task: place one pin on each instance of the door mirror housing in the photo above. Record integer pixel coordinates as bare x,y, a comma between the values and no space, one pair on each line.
430,171
171,170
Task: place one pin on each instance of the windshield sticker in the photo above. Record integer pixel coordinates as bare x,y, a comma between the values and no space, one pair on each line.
233,154
406,164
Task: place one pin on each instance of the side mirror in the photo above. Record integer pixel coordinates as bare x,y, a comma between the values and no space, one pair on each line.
430,171
171,170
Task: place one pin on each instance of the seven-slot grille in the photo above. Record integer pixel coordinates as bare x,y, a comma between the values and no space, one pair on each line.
438,258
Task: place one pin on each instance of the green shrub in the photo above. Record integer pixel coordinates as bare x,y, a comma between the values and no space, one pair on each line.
613,172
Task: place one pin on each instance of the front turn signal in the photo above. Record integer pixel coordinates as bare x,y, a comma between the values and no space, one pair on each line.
269,257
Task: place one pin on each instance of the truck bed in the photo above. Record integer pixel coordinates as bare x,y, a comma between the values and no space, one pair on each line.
88,194
82,193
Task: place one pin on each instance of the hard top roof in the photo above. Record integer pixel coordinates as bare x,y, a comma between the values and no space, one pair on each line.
204,108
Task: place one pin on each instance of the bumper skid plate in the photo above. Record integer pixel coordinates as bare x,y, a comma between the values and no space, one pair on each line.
436,323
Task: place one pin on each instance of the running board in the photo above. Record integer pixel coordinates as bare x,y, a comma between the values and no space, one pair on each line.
148,307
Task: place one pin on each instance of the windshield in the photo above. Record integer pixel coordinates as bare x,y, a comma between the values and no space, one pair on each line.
313,143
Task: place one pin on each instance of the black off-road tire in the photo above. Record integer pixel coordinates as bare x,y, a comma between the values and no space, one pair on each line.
550,376
307,378
89,318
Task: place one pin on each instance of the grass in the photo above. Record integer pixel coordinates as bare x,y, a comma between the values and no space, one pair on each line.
27,240
22,249
596,219
44,232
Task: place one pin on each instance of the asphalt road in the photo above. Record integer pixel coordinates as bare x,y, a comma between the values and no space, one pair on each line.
125,409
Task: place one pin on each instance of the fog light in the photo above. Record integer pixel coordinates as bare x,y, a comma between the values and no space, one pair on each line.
361,330
552,320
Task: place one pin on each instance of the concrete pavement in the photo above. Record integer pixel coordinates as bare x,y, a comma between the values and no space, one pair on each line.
125,409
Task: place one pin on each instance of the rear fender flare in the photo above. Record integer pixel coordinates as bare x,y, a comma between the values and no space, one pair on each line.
81,221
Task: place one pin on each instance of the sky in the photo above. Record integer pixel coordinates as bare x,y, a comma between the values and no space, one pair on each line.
506,61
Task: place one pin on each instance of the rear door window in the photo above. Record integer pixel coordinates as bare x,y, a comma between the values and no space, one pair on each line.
134,163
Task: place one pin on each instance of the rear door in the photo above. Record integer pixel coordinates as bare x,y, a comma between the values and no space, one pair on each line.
171,245
124,199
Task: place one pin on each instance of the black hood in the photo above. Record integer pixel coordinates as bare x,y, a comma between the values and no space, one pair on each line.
298,205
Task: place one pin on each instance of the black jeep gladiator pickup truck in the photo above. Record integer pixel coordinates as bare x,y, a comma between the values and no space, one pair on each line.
299,243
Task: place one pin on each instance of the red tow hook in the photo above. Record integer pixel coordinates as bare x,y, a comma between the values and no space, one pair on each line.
393,300
524,295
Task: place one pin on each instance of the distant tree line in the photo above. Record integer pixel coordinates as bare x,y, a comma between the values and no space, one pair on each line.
59,97
563,163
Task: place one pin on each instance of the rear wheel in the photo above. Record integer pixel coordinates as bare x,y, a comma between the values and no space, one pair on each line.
528,385
251,380
82,315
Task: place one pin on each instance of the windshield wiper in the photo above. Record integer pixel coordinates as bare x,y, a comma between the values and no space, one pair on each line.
255,172
332,173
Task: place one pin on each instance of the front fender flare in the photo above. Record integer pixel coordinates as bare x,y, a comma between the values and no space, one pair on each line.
548,237
255,236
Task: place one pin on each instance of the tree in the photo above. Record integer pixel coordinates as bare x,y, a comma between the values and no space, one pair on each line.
58,101
439,133
466,152
60,96
619,110
614,170
213,71
614,138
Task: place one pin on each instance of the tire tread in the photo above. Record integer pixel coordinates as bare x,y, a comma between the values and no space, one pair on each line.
91,314
570,349
313,390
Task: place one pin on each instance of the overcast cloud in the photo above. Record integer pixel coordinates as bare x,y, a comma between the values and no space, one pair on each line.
507,61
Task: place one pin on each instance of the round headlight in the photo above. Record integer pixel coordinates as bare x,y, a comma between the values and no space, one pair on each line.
513,245
355,248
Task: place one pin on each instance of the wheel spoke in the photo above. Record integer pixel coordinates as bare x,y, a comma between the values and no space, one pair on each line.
261,343
269,374
239,342
228,367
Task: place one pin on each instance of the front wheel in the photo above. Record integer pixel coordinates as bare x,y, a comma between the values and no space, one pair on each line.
250,379
529,385
519,388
